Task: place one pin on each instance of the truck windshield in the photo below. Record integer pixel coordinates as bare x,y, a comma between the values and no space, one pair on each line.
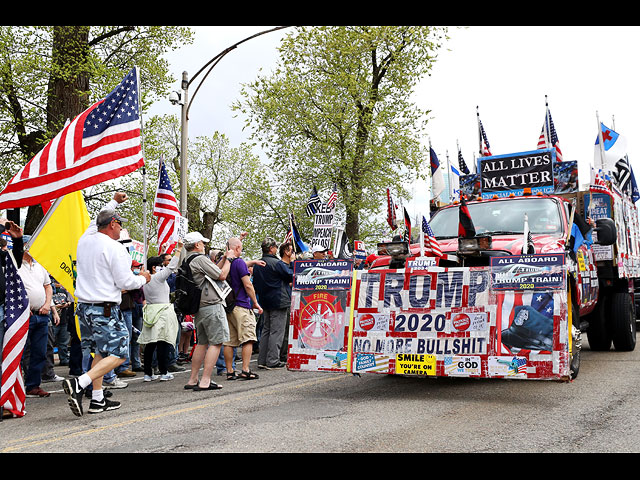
502,216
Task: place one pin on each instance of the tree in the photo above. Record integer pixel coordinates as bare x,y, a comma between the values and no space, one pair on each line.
51,74
338,109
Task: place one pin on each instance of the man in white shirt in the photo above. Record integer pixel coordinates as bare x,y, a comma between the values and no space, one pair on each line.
104,270
37,283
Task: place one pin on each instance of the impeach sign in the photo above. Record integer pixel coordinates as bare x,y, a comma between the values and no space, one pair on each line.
505,174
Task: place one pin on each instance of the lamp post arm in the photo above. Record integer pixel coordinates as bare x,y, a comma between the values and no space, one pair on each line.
214,61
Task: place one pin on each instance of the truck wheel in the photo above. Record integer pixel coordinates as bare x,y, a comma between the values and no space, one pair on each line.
623,322
599,332
576,340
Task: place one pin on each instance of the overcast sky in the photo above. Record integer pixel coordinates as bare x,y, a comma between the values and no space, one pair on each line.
504,71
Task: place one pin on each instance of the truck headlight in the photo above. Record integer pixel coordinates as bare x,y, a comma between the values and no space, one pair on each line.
474,245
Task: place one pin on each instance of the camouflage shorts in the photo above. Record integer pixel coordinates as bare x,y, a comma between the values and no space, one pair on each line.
102,335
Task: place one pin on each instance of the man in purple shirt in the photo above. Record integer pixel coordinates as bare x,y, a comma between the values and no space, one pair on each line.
242,321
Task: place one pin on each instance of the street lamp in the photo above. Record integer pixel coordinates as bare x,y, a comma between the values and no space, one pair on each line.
182,98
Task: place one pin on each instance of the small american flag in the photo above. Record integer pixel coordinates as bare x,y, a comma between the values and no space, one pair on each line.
314,202
12,396
100,144
484,143
165,207
549,137
430,241
463,164
333,198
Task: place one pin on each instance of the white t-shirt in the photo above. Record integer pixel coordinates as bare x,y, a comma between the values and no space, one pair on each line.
104,268
34,277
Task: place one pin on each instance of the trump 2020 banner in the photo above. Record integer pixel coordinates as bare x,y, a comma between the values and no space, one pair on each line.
431,321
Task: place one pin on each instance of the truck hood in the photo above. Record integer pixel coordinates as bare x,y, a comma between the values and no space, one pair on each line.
509,244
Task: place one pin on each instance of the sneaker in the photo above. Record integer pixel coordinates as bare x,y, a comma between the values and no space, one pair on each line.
176,368
37,392
56,378
277,365
150,378
74,391
117,383
166,377
103,406
126,373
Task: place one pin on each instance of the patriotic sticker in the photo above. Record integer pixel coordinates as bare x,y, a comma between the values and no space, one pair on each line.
507,366
462,365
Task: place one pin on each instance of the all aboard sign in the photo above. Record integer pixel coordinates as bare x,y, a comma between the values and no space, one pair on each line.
503,175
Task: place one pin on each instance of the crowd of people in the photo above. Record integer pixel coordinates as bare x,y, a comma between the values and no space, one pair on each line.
124,322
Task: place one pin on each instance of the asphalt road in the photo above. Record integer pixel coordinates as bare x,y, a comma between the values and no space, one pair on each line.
285,411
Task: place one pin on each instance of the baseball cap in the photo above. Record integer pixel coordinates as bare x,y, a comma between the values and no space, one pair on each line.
106,216
318,248
135,263
194,237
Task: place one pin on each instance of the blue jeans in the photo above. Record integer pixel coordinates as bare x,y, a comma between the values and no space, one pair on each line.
38,338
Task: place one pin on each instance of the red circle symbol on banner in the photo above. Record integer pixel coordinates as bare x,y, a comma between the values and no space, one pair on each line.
461,321
366,321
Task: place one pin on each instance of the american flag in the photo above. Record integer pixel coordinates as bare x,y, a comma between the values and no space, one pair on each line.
484,143
508,301
12,396
549,137
463,164
100,144
314,202
430,241
333,198
165,207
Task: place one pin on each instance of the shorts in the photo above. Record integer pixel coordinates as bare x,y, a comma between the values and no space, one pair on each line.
211,325
102,335
242,327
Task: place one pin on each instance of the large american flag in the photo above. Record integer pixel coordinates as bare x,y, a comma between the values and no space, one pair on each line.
430,241
100,144
549,137
165,207
16,315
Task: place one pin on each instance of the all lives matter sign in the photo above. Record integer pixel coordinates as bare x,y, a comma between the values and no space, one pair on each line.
503,175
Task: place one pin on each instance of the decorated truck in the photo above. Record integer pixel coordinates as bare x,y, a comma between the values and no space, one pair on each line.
500,286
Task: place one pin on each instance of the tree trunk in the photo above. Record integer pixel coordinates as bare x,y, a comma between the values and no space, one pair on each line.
68,91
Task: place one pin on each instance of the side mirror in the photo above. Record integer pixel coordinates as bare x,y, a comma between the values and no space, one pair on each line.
606,233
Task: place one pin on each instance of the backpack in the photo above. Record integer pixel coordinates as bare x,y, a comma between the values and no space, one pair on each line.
230,299
188,293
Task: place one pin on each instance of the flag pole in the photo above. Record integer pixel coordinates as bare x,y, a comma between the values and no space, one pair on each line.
449,177
144,178
44,220
601,142
547,138
479,132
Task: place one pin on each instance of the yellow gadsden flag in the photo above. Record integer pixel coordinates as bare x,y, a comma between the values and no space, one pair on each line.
53,245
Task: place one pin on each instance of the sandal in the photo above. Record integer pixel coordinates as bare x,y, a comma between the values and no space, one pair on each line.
248,375
212,386
232,376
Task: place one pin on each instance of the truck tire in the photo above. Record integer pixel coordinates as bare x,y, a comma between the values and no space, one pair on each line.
576,340
599,331
623,322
